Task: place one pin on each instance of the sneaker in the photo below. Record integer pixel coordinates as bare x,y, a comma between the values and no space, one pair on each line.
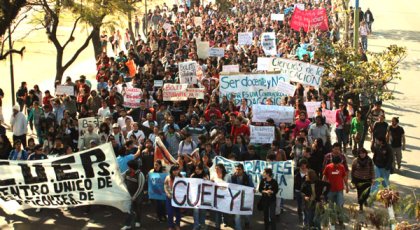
126,227
138,225
37,210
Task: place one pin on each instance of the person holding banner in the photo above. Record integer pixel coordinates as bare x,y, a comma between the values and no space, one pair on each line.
160,204
171,210
134,180
241,178
199,214
221,176
269,188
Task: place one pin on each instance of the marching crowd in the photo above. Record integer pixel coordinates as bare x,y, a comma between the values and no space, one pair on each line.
197,130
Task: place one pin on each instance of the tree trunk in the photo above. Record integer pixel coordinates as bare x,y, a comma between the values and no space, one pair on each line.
130,28
96,41
59,66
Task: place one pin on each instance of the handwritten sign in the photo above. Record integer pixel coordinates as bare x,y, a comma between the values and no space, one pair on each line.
268,42
245,38
278,113
309,19
311,107
188,72
286,88
261,134
203,49
255,88
175,92
197,93
198,21
216,52
329,116
64,90
230,69
277,17
132,97
157,83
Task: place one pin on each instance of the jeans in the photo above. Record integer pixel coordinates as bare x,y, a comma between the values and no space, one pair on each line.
269,216
135,212
381,173
299,201
310,219
342,137
218,219
171,212
338,199
199,218
397,156
363,189
364,42
238,221
160,208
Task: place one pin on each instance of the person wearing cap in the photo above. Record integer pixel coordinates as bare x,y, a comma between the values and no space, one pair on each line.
118,136
19,125
18,153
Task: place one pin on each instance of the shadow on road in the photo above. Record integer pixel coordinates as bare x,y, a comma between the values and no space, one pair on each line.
405,35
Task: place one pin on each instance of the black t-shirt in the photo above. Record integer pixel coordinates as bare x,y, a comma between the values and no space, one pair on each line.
379,129
396,136
37,157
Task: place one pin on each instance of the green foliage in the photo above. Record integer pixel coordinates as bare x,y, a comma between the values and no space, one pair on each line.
344,69
224,6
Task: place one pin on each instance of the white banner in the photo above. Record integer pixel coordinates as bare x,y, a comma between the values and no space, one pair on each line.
302,72
90,177
283,173
286,88
268,42
262,134
197,93
216,52
132,97
167,27
277,17
311,107
175,92
329,116
255,88
280,114
205,194
188,72
64,89
230,69
203,49
245,38
198,21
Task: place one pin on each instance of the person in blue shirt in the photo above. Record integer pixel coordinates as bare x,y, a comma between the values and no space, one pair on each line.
240,177
123,159
18,153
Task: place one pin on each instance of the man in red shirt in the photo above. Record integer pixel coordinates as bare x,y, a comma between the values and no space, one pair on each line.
335,174
212,111
240,129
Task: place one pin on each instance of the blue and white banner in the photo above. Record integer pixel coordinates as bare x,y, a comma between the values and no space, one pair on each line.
156,189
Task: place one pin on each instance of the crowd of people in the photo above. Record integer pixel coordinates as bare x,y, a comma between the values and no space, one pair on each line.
213,126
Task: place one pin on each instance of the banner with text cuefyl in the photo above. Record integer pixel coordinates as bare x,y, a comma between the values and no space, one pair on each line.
205,194
282,173
89,177
255,88
302,72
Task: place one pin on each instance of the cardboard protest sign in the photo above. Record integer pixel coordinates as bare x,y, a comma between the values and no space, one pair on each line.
309,19
276,112
175,92
301,72
311,107
197,93
277,17
205,194
132,97
245,38
203,49
261,134
230,69
268,42
188,72
90,177
155,188
329,116
283,173
216,52
64,90
256,88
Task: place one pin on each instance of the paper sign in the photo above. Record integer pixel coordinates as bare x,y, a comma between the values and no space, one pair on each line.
198,21
329,116
132,97
64,90
175,92
261,134
230,69
268,42
278,113
277,17
300,6
216,52
188,72
197,93
286,88
157,83
245,38
311,107
203,50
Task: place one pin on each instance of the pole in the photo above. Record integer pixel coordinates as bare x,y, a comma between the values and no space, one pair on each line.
356,26
145,17
12,75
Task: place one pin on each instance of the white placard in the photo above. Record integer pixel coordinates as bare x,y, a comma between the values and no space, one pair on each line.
311,107
203,49
245,38
132,97
175,92
198,21
216,52
268,42
222,197
261,134
280,114
300,6
230,69
277,17
188,72
64,90
157,83
286,88
197,93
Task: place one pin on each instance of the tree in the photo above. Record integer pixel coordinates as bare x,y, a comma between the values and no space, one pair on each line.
9,10
344,69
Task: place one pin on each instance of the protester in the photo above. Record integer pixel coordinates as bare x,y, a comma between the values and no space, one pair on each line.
171,210
160,204
362,176
396,137
300,177
382,159
18,153
19,125
269,188
199,214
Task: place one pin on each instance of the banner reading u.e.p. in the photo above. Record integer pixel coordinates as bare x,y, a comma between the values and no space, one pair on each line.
282,173
89,177
205,194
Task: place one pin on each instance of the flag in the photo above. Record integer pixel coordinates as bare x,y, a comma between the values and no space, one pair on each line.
161,153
